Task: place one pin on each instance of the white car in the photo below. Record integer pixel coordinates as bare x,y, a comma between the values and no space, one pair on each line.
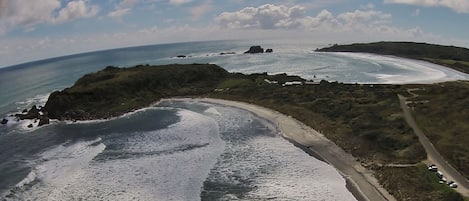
452,184
432,168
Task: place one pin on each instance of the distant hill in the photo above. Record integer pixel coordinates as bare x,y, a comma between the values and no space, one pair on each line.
453,57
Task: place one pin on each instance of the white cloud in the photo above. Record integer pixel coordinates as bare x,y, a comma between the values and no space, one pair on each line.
294,17
26,14
267,16
122,9
365,24
76,10
119,12
179,2
200,10
460,6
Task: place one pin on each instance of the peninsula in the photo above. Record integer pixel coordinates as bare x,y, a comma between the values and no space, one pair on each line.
453,57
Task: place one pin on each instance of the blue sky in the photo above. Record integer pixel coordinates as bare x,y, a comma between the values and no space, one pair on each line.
38,29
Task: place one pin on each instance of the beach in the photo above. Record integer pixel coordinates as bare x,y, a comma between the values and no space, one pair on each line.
360,181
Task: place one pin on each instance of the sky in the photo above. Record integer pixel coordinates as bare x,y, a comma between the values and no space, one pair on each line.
38,29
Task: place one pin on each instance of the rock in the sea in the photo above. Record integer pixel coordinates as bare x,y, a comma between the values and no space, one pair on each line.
33,113
30,125
225,53
4,121
25,111
181,56
255,50
269,50
43,120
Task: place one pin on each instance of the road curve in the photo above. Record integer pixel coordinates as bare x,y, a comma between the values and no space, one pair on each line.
433,156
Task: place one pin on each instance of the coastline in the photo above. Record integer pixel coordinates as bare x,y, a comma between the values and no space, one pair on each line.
359,181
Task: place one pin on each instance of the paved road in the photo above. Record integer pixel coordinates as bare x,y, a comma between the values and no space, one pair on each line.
433,156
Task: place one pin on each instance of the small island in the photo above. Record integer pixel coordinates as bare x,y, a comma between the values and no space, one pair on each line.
366,121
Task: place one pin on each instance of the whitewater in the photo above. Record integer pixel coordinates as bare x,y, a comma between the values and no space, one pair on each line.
179,150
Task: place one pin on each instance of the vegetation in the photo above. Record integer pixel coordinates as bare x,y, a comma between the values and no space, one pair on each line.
365,120
114,91
404,182
442,112
450,56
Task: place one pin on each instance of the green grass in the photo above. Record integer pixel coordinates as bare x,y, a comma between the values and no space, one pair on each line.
235,83
416,184
445,120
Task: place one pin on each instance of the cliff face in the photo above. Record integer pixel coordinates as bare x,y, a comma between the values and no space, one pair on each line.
114,91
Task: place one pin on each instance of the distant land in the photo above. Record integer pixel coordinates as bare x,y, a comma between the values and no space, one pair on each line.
453,57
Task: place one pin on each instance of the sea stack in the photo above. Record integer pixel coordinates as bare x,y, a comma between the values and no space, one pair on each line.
255,50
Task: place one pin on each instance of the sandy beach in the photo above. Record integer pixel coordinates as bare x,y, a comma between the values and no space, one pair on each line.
360,181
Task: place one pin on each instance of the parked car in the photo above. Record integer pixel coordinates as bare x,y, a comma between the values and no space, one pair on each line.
443,180
439,174
452,184
432,168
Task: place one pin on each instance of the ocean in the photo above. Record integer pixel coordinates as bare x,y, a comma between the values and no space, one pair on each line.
178,150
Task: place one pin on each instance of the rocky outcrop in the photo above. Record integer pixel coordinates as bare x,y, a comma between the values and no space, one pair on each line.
4,121
33,113
254,50
269,50
225,53
43,120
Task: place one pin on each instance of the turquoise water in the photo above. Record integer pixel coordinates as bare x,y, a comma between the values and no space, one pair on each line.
178,150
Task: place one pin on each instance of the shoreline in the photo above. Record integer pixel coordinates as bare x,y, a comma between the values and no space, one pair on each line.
359,181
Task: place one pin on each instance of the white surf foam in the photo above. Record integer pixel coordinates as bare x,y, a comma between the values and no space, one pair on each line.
167,164
273,167
56,167
413,71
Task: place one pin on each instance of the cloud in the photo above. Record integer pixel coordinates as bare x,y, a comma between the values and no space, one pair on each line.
122,9
119,12
294,17
76,10
179,2
267,16
459,6
200,10
26,14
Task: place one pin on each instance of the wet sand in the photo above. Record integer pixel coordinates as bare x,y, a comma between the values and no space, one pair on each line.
360,181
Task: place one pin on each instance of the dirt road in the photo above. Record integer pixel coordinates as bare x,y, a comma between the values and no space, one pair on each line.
433,156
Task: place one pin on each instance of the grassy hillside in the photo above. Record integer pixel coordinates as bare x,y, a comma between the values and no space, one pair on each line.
114,91
450,56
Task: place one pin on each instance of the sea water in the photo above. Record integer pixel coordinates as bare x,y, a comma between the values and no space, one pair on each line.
177,150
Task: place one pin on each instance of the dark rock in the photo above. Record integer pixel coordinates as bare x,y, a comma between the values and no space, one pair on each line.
43,120
4,121
33,113
225,53
269,50
30,125
254,50
181,56
25,111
